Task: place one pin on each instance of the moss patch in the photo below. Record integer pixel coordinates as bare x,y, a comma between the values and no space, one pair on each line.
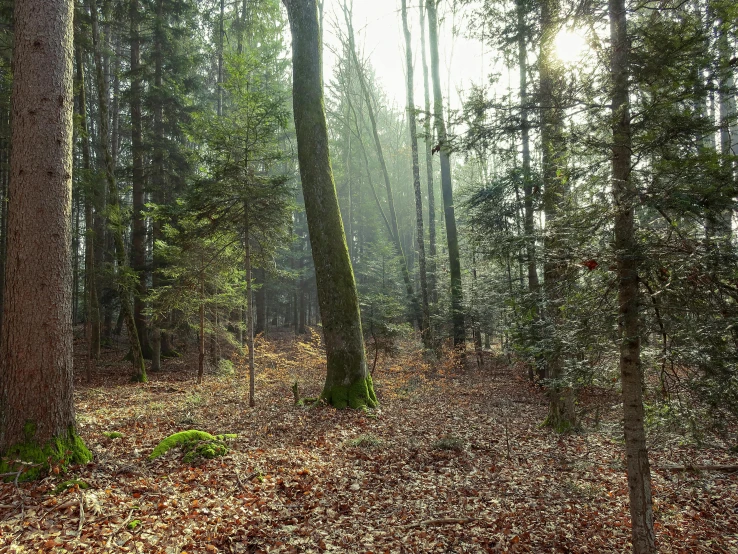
357,396
34,460
196,444
114,435
61,487
133,524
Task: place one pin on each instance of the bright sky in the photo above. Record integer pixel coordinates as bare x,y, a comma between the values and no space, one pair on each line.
378,26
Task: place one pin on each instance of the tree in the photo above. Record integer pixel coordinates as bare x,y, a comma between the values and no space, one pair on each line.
454,261
36,405
348,382
412,126
626,251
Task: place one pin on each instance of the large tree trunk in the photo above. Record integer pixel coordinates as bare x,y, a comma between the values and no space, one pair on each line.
114,212
347,380
138,233
420,235
631,372
36,402
561,412
454,262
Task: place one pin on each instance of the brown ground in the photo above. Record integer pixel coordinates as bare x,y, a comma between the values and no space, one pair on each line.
453,461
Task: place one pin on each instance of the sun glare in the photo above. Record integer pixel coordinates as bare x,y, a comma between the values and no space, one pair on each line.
570,46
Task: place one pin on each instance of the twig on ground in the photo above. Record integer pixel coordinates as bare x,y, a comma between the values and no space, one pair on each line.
81,512
118,529
690,467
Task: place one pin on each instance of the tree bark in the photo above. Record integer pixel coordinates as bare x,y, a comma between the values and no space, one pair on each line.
347,380
249,308
624,193
420,235
36,398
454,262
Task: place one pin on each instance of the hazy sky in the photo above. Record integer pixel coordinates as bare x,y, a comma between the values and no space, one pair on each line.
378,26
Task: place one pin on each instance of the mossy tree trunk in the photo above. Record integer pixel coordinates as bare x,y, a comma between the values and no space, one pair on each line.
626,251
347,380
36,372
454,260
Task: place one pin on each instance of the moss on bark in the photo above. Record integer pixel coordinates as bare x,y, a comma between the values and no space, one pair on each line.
60,451
357,395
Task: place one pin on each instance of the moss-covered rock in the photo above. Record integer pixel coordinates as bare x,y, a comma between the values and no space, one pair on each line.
34,460
113,435
196,444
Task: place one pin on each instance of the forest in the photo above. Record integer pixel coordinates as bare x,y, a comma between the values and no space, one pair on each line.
368,277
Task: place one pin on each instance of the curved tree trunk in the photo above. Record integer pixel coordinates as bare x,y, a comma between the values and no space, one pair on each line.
36,402
347,380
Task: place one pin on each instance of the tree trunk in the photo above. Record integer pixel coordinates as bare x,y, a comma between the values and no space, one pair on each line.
114,212
561,412
395,234
432,288
201,338
624,193
260,301
454,262
528,216
420,235
249,310
92,305
138,233
347,380
36,398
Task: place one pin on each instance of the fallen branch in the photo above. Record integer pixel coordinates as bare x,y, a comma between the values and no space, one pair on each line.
119,529
689,467
442,521
81,512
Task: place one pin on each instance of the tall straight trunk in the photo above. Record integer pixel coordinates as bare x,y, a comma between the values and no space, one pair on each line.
624,193
728,121
92,304
4,178
36,368
348,382
114,211
138,232
420,235
249,308
392,217
115,108
432,288
454,261
260,300
528,220
561,412
201,337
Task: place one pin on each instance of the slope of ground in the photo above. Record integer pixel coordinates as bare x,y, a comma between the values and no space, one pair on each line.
454,460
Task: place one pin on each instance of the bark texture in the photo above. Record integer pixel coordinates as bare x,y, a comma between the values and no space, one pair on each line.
639,473
36,403
347,380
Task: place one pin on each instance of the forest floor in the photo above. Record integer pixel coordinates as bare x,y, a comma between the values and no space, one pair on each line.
454,460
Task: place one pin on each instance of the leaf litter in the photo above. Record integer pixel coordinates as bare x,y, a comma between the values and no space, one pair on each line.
454,460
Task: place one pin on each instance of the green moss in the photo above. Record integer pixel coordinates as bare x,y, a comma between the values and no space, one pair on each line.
358,395
449,442
190,441
60,451
114,435
61,487
365,441
133,524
